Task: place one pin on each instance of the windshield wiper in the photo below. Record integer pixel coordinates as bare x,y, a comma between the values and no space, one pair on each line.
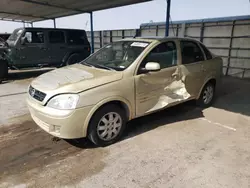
87,64
97,66
103,66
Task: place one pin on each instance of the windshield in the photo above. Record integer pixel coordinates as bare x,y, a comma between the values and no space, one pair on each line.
117,55
15,35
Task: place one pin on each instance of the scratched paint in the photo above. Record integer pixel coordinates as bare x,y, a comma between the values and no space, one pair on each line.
59,77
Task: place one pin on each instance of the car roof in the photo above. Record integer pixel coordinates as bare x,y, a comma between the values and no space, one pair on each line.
43,28
159,38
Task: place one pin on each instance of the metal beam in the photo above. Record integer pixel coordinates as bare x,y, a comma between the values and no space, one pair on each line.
157,30
19,14
51,5
177,30
123,34
111,36
230,46
92,33
167,17
202,32
54,21
11,20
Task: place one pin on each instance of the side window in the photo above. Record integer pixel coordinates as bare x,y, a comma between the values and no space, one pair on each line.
165,54
191,52
56,37
76,37
207,52
34,37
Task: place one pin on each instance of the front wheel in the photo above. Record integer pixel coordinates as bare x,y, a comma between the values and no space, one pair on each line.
207,95
107,125
3,70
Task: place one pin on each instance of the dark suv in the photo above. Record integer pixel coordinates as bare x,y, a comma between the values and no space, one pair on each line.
42,47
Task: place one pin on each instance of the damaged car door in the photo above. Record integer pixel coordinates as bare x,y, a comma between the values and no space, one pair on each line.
192,66
160,89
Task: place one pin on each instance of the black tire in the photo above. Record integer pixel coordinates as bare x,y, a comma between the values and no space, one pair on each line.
3,70
94,134
202,101
73,59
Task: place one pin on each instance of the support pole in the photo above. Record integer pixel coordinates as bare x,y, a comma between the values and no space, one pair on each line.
31,24
167,18
230,48
23,24
92,33
202,31
54,21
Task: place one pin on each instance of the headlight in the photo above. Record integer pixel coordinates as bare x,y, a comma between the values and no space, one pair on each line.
64,102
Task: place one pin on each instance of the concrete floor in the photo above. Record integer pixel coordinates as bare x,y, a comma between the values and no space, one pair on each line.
179,147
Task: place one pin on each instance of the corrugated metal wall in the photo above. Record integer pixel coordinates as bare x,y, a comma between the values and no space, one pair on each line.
105,37
229,38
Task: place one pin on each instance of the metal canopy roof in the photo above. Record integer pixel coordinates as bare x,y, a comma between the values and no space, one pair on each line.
38,10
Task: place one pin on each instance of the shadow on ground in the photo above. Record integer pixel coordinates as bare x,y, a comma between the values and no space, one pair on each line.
183,112
234,96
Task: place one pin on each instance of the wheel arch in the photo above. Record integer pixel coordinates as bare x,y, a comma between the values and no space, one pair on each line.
68,55
209,80
121,102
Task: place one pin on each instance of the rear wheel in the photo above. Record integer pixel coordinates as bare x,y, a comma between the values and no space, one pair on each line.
3,70
107,125
73,59
207,95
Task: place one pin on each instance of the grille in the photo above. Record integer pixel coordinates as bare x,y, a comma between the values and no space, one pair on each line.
38,95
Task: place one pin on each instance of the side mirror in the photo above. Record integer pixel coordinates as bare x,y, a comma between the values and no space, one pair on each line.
153,67
23,41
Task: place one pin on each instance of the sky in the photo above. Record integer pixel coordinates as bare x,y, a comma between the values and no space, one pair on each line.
130,17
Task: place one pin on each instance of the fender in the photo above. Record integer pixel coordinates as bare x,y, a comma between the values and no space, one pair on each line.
68,54
82,53
208,78
103,102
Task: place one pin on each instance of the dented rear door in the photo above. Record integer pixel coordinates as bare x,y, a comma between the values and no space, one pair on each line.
191,67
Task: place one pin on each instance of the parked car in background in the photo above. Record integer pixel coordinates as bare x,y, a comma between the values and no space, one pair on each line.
43,47
122,81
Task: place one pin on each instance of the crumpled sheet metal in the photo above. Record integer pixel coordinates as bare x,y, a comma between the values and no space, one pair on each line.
174,92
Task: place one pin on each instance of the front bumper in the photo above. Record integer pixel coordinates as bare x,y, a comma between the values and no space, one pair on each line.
60,123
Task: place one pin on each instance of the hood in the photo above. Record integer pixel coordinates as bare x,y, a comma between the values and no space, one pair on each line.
74,79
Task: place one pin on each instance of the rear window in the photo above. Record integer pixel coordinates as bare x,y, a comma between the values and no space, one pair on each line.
76,37
56,37
191,52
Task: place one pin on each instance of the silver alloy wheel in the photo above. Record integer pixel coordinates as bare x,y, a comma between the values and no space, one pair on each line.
208,94
109,126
